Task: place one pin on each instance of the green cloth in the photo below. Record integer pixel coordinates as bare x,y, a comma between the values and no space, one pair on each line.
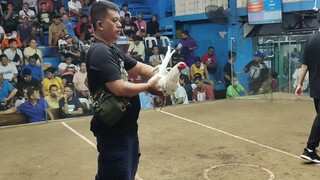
234,91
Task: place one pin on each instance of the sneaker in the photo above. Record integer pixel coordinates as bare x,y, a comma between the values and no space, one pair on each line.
310,155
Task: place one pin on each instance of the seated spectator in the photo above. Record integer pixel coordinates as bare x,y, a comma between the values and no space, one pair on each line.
27,81
14,54
70,104
70,26
7,92
26,31
84,29
57,30
141,25
137,49
155,59
79,81
21,99
11,18
180,96
26,12
35,107
145,100
129,28
186,84
68,47
67,69
8,70
32,50
44,19
235,89
49,80
203,91
36,71
209,59
62,11
1,30
49,5
124,11
54,97
32,4
9,35
199,67
153,26
75,8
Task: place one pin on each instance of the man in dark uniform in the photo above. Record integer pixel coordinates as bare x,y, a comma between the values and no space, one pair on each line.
311,63
118,145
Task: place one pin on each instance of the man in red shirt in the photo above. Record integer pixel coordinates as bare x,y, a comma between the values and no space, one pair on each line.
203,91
210,60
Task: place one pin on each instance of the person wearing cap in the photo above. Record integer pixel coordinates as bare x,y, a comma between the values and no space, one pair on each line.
258,72
26,31
25,11
25,82
137,49
8,70
36,71
124,11
71,48
57,30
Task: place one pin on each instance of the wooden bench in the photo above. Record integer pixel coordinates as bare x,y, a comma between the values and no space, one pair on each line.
13,119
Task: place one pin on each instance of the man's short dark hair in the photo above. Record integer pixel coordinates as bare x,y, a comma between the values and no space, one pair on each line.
210,47
197,78
50,69
197,59
12,40
231,53
30,92
2,56
127,15
124,5
99,11
52,86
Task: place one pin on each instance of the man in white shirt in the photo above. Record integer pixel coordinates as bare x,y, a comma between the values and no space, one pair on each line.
124,11
295,79
180,96
26,12
14,54
137,49
75,8
8,70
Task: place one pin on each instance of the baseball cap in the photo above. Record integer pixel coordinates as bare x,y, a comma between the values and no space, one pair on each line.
67,36
258,53
25,17
26,72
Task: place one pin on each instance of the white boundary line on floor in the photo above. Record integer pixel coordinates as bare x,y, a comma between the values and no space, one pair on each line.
229,134
89,142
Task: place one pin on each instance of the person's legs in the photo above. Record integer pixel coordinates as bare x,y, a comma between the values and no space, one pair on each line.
314,137
118,157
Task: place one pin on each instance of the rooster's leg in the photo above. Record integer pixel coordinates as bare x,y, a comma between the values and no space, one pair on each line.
164,101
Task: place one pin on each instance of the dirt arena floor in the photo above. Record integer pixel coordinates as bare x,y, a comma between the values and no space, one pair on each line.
224,139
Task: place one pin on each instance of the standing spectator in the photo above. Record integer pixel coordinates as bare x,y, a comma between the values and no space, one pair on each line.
137,49
79,81
51,79
57,30
129,28
70,26
228,69
75,8
54,97
210,60
155,59
258,72
67,69
27,12
26,31
188,45
8,70
153,26
7,92
35,108
199,68
124,11
27,81
14,54
36,71
70,104
44,19
310,62
141,25
11,18
203,91
235,89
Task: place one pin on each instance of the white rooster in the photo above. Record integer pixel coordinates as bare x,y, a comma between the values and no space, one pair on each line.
169,77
